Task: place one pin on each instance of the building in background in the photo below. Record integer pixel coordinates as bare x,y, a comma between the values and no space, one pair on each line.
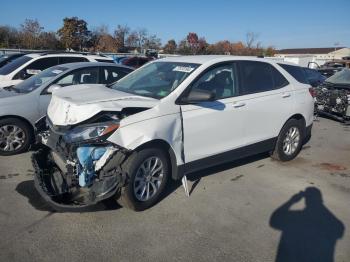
302,56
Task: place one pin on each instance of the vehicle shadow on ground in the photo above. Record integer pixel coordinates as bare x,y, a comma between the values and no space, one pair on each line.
27,189
196,177
309,234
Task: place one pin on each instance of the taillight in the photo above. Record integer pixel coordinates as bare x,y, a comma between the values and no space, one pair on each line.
312,91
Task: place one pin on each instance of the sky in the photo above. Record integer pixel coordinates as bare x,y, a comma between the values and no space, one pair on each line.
279,23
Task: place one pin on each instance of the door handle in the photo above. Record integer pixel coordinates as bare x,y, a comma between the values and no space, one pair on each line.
239,104
285,95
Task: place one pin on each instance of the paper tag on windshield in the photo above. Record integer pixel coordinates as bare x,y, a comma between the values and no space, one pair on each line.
185,69
33,71
56,71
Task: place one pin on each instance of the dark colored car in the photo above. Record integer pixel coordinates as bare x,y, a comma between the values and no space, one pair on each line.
333,97
314,77
8,58
136,61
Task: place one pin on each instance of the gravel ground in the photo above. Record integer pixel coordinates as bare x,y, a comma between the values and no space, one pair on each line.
243,211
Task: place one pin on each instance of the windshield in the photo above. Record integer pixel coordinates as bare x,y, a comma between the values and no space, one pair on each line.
35,81
340,78
9,68
155,80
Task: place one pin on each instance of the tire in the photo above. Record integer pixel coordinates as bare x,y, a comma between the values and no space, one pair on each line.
22,138
281,151
134,167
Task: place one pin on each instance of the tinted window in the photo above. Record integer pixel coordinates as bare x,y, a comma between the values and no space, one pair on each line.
80,76
9,68
105,61
112,74
221,80
256,77
278,79
296,71
41,64
70,59
131,62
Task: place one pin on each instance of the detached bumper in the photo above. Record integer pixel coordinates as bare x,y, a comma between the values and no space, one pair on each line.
60,190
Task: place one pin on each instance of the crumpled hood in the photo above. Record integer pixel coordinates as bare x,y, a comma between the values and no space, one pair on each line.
74,104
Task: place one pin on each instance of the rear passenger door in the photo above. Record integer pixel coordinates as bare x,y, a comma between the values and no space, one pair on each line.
267,100
40,65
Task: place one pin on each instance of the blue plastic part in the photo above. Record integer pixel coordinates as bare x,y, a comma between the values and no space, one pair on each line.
87,155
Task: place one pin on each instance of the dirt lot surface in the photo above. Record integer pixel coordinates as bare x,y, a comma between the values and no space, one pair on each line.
249,210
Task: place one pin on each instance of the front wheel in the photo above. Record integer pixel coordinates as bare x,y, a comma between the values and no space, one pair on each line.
289,141
15,136
148,172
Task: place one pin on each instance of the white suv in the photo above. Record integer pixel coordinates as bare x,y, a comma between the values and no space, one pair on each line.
167,119
32,64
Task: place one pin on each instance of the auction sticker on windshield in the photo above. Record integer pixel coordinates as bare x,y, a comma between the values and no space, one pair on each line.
185,69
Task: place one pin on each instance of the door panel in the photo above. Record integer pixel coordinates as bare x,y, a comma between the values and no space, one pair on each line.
214,127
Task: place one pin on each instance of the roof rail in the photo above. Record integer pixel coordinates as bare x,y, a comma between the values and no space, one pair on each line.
69,52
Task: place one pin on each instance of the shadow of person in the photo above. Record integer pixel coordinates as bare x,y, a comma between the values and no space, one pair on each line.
309,234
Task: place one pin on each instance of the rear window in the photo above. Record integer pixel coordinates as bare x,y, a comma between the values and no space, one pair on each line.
71,59
9,68
297,72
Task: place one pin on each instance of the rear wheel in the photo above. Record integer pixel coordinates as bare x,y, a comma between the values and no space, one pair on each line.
148,172
15,136
290,140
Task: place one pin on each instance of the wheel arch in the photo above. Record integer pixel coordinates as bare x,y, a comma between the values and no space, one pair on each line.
21,119
165,146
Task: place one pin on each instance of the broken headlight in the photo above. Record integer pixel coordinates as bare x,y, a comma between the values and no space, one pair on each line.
89,132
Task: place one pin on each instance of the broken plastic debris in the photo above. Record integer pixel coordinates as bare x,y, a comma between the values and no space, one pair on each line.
185,185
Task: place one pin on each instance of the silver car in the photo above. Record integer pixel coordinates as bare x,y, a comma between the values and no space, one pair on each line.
24,104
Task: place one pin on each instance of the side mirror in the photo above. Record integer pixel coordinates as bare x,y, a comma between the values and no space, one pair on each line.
197,96
53,88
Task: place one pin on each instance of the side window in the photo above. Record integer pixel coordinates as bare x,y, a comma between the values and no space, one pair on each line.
80,76
296,71
221,80
278,79
71,59
105,61
256,77
41,64
111,75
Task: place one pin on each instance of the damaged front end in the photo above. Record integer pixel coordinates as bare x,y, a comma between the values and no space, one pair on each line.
333,102
75,166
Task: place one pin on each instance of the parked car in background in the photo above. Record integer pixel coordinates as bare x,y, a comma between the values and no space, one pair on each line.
31,64
333,97
119,59
169,118
22,105
8,58
136,61
314,77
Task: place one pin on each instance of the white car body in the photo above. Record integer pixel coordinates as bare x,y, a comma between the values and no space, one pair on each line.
169,118
163,120
12,79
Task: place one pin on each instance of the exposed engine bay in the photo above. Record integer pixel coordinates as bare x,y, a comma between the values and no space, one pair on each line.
76,166
333,102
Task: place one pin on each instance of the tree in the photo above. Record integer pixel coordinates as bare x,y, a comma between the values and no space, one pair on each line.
48,40
141,38
170,47
120,35
74,33
9,37
152,42
132,40
30,32
251,38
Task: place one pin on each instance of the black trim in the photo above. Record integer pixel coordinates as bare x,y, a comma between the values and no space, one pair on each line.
260,147
307,136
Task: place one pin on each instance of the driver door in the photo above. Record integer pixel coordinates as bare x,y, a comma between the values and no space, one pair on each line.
213,128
